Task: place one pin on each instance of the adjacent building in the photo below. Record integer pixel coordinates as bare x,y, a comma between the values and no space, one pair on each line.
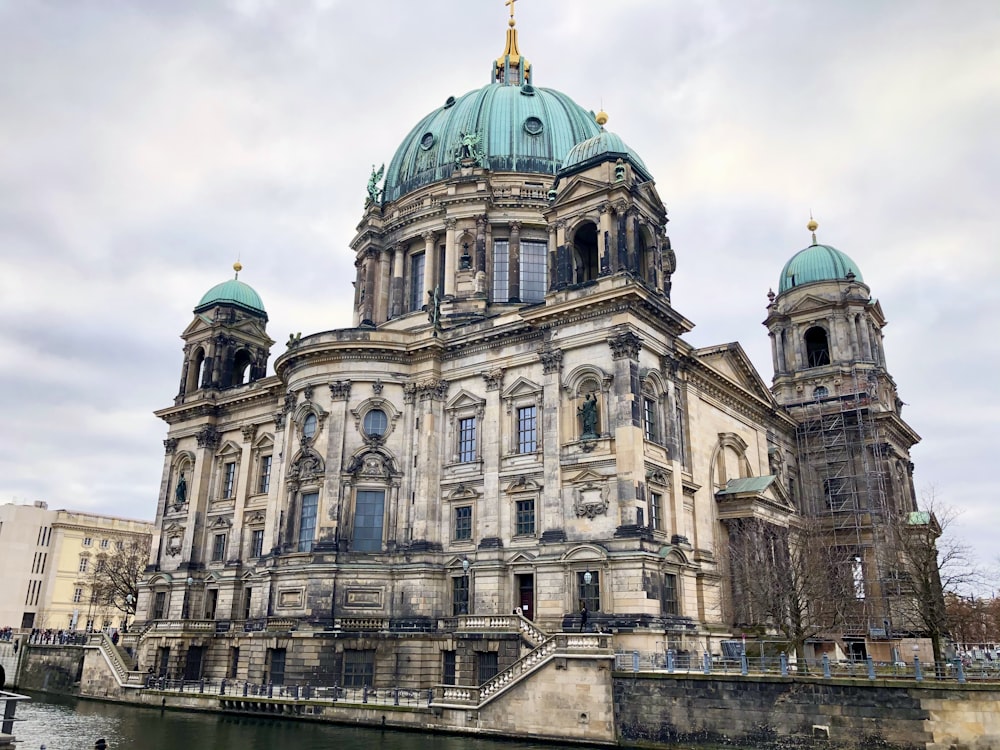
514,423
51,559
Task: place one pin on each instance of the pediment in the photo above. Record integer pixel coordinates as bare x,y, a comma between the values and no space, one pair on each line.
199,324
579,186
521,558
464,400
588,476
585,552
463,492
522,387
523,484
228,448
808,302
222,522
732,362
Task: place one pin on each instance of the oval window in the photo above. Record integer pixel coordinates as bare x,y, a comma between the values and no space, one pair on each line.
376,423
309,426
449,102
427,142
533,126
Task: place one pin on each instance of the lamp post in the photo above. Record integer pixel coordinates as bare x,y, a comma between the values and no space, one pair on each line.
186,609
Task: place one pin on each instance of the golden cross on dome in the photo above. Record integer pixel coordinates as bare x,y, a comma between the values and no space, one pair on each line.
510,4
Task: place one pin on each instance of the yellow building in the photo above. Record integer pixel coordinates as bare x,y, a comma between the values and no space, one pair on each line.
51,560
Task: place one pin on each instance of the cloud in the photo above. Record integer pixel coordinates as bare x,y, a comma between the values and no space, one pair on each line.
145,147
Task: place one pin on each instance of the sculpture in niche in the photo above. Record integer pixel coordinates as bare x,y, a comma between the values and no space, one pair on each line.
180,494
588,417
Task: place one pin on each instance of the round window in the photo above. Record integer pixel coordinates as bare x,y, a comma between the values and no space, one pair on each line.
533,126
427,142
376,423
309,426
449,102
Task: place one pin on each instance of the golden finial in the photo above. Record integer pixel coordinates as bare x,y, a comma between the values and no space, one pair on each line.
510,4
237,266
812,226
601,118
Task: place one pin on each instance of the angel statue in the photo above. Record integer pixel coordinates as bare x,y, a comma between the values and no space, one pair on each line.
374,192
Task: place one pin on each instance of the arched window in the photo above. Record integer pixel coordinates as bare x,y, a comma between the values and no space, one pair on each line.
309,426
586,264
375,423
817,347
196,371
241,368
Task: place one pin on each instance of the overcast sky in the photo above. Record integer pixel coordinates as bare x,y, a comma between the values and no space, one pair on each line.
144,146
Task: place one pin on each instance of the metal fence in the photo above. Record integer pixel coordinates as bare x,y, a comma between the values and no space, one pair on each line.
393,696
781,665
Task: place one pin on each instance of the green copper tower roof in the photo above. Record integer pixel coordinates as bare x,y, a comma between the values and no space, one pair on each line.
601,147
817,263
232,292
503,128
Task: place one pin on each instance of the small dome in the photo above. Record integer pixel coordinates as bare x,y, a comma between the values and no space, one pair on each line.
510,129
232,292
817,263
602,147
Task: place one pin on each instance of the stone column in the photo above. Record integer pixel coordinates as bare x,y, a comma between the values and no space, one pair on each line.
245,488
450,263
371,274
384,288
480,244
329,514
397,290
514,270
774,351
625,422
782,360
550,516
359,291
429,266
553,271
609,263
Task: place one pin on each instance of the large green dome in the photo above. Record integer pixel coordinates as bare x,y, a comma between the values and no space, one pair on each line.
520,129
817,263
232,292
602,146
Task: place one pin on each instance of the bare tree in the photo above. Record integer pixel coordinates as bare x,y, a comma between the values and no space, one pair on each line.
115,580
932,564
791,580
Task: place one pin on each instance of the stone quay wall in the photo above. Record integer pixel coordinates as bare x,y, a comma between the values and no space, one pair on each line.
660,710
54,669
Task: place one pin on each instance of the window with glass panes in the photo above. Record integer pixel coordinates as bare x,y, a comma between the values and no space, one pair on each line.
460,595
77,595
159,605
467,439
534,267
256,542
589,594
218,548
448,667
650,423
525,517
264,480
307,521
416,281
463,523
487,666
655,498
527,429
670,606
369,509
359,668
501,269
228,478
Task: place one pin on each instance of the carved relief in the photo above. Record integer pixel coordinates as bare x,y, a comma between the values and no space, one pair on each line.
307,466
249,432
170,445
494,379
208,437
340,390
591,499
624,345
551,360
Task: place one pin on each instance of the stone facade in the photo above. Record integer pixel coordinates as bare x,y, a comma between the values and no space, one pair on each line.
514,422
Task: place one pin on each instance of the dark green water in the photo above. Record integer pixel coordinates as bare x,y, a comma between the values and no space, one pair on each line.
62,723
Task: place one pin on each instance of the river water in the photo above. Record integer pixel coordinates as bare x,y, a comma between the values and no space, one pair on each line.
63,723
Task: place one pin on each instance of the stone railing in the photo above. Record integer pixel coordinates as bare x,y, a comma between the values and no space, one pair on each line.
561,644
200,626
362,623
531,633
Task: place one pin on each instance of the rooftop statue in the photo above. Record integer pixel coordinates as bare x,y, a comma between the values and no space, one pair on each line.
374,192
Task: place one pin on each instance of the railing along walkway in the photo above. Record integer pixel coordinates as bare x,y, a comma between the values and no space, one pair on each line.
673,662
531,633
560,644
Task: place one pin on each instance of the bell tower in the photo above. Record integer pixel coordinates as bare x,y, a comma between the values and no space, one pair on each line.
226,345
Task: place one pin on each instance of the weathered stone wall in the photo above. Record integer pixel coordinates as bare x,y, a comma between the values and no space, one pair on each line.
657,710
53,668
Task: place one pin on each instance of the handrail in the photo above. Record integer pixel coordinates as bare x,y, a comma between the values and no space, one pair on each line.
531,633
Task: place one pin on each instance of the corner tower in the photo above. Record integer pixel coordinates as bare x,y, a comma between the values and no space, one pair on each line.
226,345
830,374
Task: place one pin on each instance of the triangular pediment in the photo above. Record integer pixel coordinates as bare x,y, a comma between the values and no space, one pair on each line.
588,476
808,302
464,400
730,361
579,186
521,387
247,328
521,558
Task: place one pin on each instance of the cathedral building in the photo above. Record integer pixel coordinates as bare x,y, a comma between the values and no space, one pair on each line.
514,425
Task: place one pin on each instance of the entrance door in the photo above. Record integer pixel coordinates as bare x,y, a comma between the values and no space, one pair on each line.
526,595
192,662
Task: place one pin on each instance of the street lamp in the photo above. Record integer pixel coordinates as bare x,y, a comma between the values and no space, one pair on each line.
187,601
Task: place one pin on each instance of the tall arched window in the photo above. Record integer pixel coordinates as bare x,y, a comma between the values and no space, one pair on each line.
241,367
817,347
586,264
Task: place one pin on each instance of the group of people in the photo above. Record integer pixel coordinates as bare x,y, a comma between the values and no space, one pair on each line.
7,634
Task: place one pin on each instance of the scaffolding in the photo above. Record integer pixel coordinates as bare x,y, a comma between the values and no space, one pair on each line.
841,456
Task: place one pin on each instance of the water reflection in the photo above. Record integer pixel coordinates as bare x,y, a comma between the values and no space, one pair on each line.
62,723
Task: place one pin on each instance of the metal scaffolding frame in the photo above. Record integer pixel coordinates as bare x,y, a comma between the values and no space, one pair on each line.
841,457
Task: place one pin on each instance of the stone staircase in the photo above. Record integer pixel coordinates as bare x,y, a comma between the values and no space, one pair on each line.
117,661
574,645
529,632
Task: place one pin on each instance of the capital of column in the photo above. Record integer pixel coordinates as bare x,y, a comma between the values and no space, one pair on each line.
428,236
515,227
450,223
